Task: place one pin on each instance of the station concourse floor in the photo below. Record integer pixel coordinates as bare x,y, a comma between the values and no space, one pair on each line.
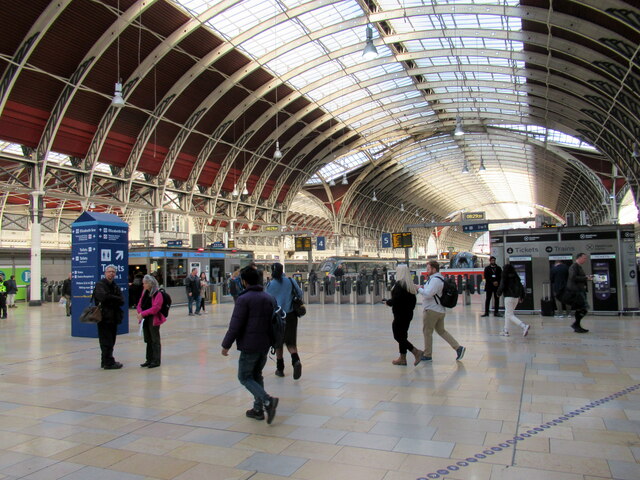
555,405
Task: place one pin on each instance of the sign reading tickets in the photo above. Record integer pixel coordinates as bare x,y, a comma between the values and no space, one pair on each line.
98,240
402,240
473,216
303,244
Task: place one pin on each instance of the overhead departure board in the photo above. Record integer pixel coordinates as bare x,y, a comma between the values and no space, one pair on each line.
402,240
303,244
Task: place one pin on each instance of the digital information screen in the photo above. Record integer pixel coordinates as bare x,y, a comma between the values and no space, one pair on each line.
402,240
303,244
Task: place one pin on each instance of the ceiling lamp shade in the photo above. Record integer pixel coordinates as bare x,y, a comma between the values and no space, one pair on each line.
402,207
332,183
482,167
244,190
370,51
118,101
459,130
277,155
465,167
344,179
235,190
374,198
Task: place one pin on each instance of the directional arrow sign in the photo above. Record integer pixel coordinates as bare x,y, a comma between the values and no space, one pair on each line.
119,254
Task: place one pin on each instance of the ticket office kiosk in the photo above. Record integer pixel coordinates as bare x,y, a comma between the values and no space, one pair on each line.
605,282
524,269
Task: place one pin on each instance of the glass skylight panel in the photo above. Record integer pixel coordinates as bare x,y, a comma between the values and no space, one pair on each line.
294,58
390,85
337,41
243,16
13,148
55,157
311,75
328,15
272,38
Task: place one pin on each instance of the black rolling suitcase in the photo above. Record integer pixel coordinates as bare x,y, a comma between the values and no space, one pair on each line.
547,303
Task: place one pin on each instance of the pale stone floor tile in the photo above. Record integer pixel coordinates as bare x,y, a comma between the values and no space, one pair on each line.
153,466
227,457
319,470
273,464
214,472
348,412
562,463
100,457
591,449
366,457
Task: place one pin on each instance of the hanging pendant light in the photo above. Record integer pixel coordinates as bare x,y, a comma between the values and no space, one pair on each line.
374,198
370,51
459,130
235,190
117,100
636,150
482,167
277,155
465,167
344,179
244,190
402,207
332,183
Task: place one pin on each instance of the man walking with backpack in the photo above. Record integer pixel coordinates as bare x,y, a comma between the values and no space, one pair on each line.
434,313
250,328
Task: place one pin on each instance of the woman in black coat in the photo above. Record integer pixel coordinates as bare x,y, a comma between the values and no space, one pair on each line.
402,303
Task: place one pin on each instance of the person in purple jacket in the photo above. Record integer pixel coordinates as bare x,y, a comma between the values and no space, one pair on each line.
249,327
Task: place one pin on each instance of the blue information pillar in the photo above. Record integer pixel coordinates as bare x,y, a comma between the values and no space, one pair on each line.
98,240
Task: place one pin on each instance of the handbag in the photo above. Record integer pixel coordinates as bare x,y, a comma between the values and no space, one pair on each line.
91,314
297,303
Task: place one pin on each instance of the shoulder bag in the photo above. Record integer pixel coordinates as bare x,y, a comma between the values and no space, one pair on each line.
296,302
91,314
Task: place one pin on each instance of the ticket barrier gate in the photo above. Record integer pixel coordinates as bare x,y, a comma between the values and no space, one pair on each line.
328,290
359,292
376,291
312,292
344,290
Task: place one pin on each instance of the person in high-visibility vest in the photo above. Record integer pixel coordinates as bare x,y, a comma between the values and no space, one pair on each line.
3,298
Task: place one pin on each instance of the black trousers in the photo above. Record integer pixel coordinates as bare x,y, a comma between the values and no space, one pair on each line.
107,332
400,328
3,305
487,301
152,339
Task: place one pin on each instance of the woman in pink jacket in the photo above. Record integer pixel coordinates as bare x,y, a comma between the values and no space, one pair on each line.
149,314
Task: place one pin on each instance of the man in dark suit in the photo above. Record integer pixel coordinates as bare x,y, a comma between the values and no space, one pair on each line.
492,276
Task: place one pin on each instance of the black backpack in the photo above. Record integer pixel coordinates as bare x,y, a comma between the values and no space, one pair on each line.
166,302
449,296
277,327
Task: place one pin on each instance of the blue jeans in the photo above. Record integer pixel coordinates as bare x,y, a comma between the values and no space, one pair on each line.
194,299
250,367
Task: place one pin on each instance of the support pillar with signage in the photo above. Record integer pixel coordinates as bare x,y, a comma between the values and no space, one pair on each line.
98,240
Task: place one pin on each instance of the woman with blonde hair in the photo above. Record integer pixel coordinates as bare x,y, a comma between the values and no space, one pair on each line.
402,303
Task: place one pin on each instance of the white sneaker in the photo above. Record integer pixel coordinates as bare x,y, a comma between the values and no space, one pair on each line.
504,333
525,331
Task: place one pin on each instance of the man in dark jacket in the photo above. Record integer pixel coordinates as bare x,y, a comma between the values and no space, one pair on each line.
66,293
12,289
558,277
492,276
577,291
192,284
250,328
109,296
